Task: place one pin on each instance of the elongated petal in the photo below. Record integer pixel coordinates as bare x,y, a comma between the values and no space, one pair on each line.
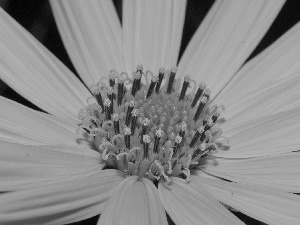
268,135
23,166
20,124
278,96
152,33
134,202
279,61
91,33
34,72
280,171
61,203
187,205
225,39
265,204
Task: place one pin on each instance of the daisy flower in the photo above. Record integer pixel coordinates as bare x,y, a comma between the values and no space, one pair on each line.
151,136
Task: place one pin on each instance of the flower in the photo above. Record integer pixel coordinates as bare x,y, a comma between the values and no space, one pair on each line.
53,176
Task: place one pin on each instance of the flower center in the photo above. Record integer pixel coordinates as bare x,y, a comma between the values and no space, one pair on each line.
151,129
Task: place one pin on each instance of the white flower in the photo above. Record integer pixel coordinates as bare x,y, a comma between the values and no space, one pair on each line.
52,176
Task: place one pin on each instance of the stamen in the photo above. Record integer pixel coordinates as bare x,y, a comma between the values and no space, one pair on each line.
129,111
199,132
127,133
178,140
134,113
110,95
199,151
146,141
112,78
116,118
184,87
136,83
201,105
171,80
107,108
151,87
120,90
97,95
161,75
158,135
199,92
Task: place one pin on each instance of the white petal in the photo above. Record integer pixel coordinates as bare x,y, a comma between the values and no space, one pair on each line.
278,96
265,204
61,203
23,166
134,202
152,33
279,171
268,135
34,72
277,65
91,33
20,124
187,205
225,39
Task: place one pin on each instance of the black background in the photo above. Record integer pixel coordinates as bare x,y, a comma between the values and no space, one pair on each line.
37,18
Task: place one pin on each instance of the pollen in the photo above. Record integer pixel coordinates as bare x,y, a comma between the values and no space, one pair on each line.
152,126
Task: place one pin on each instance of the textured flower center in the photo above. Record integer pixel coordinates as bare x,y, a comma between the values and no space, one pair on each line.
151,129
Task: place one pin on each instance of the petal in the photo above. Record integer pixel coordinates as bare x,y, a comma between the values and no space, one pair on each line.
280,60
31,70
136,202
225,39
279,171
24,166
61,203
268,135
91,33
152,33
265,204
278,96
187,205
20,124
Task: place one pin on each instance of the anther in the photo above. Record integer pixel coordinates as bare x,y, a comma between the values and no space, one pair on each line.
199,92
161,75
199,132
158,135
107,108
110,95
134,113
151,87
97,95
185,85
199,150
145,125
206,93
139,70
171,80
129,110
162,171
207,126
112,78
120,90
146,141
127,133
201,105
135,84
116,118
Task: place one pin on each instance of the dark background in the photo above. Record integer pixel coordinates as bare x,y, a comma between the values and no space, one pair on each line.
37,18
